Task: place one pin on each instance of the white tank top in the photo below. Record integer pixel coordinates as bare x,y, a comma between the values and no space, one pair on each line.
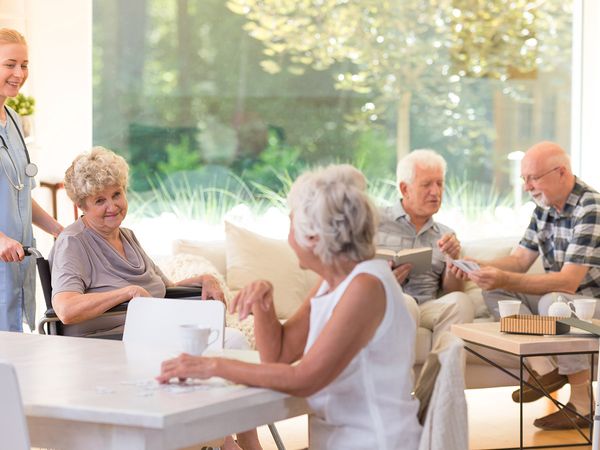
369,405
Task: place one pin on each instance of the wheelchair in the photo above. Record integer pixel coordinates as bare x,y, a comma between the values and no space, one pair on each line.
51,324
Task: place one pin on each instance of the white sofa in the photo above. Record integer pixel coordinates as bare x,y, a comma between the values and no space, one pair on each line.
245,256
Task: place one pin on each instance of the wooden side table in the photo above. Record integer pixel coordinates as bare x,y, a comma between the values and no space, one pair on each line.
488,335
54,188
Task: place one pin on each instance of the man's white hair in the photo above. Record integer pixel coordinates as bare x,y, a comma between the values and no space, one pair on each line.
429,159
333,205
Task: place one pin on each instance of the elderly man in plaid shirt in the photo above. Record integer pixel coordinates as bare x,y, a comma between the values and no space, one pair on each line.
565,231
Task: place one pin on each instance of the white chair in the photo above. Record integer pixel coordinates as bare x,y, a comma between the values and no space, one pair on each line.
442,389
13,426
155,321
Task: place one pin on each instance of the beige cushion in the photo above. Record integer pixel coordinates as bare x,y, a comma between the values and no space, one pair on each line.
214,251
251,257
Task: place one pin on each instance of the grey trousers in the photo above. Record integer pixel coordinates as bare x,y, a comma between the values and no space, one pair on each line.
539,304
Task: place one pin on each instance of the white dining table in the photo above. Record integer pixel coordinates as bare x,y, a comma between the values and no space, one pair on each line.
98,394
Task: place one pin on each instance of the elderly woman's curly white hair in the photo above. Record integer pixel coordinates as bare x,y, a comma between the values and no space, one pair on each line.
332,203
91,173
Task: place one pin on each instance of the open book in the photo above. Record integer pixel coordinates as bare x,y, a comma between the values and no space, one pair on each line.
420,258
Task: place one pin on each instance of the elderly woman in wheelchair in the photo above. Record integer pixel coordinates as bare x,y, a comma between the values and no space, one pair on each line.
97,264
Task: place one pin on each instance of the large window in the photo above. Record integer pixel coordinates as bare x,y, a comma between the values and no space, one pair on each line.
216,103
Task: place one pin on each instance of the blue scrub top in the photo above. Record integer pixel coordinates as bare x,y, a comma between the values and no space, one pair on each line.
17,280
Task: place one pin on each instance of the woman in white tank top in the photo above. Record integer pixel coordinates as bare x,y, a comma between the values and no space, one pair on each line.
353,336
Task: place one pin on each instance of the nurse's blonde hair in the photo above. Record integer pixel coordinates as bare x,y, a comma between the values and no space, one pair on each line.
91,173
10,36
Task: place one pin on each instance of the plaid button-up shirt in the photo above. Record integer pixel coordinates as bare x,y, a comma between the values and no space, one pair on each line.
571,236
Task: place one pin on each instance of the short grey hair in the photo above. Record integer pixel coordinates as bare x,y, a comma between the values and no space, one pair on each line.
91,173
430,159
332,203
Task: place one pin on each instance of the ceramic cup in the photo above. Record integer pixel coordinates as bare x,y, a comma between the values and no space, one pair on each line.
195,338
584,308
509,307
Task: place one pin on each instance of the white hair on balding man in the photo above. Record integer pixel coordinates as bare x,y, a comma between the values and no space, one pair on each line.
333,205
425,158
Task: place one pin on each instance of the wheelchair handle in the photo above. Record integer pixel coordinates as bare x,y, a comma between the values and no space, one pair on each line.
32,251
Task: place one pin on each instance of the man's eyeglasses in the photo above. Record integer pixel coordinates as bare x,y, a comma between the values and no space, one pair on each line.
535,178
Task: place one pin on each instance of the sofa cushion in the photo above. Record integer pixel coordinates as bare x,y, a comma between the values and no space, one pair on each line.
214,251
251,257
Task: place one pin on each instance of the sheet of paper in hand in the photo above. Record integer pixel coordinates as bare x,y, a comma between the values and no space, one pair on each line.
420,258
466,266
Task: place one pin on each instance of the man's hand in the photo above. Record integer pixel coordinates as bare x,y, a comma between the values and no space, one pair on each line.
489,278
10,250
456,272
449,245
401,272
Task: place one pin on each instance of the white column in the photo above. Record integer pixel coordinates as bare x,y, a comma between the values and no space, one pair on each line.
60,52
586,92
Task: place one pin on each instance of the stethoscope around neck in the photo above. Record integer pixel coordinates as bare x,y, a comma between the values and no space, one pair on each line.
31,169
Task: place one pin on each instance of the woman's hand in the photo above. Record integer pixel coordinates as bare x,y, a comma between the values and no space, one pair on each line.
187,366
211,288
10,250
136,291
259,293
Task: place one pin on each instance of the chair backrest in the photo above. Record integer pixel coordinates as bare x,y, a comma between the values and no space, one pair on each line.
426,383
13,426
155,321
445,423
43,266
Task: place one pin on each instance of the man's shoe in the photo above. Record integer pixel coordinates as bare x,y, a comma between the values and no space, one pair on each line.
551,382
558,421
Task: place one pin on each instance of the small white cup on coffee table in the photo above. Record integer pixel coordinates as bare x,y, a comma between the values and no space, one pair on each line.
509,307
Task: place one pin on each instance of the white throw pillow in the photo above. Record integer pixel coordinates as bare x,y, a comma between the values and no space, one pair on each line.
252,257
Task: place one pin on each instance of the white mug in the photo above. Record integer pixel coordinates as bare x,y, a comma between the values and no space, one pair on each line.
196,338
584,308
509,307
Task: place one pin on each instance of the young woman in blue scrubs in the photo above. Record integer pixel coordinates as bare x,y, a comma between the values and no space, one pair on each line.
17,209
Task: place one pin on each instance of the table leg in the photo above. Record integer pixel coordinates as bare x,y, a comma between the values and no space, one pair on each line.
592,412
539,387
521,362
